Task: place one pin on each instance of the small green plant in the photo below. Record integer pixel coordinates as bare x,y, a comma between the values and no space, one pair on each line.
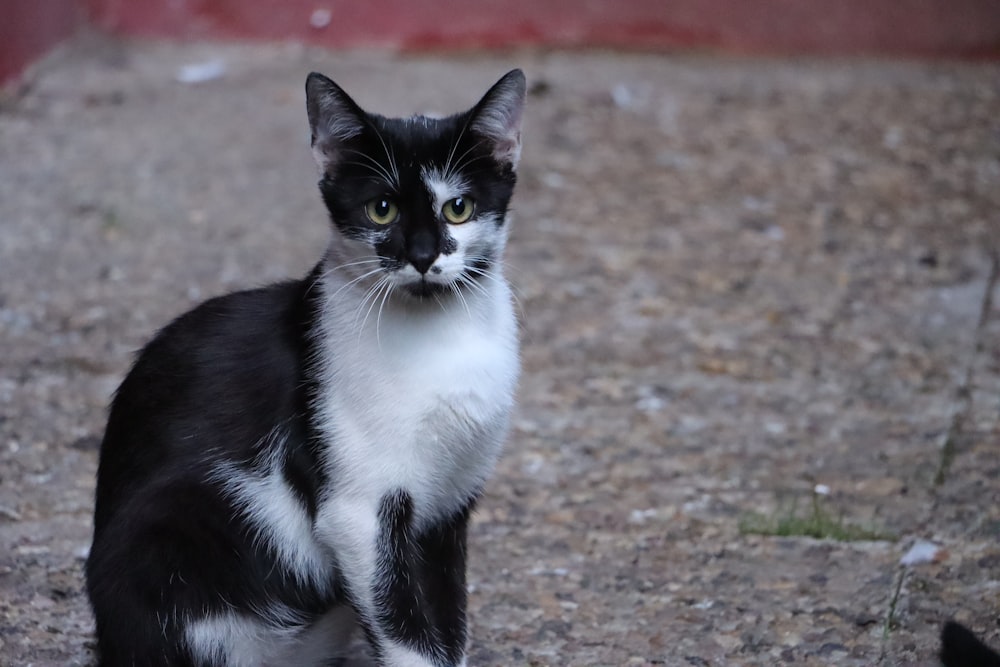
110,221
817,522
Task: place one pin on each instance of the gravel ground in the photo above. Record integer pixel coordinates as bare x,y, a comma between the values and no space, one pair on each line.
738,280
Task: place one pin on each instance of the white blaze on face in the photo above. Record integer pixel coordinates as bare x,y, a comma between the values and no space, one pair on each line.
443,187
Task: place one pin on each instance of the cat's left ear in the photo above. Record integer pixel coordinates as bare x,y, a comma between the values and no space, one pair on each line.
334,119
497,117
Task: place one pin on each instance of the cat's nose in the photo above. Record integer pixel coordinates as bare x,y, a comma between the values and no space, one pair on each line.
422,262
422,252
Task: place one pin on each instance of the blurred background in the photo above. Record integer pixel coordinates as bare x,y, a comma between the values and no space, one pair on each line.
965,28
756,252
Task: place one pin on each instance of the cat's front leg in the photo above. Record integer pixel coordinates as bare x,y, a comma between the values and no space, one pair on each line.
442,573
412,610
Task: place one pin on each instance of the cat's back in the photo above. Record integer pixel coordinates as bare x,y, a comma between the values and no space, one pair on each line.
229,357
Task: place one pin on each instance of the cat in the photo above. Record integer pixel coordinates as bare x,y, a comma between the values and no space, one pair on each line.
284,465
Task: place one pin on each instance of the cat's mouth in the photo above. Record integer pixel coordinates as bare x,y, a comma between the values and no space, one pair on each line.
423,288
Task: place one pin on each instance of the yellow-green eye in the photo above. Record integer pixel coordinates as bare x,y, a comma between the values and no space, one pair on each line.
458,210
382,210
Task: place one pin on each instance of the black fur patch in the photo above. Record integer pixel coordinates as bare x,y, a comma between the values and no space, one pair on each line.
422,598
209,387
443,555
398,603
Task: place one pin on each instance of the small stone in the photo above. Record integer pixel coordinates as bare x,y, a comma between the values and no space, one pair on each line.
921,552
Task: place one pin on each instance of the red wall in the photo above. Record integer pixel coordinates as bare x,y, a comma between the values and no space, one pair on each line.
908,27
29,28
957,28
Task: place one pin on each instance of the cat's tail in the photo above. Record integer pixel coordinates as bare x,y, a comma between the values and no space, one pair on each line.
961,648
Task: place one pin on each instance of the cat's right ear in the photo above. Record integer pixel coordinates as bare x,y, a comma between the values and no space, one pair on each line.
334,119
497,117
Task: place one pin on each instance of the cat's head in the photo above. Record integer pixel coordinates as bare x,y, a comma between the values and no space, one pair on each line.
418,204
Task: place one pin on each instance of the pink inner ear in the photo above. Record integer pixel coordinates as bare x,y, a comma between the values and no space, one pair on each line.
325,158
330,136
498,117
508,149
502,126
333,118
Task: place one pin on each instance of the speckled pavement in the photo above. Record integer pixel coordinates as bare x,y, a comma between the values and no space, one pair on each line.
739,281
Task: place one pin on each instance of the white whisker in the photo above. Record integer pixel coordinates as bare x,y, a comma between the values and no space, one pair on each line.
378,317
472,284
369,293
437,299
382,284
373,259
456,288
389,156
353,282
454,147
376,167
461,165
327,271
491,275
392,163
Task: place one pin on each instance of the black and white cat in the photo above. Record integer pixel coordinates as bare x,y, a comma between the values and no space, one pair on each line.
285,464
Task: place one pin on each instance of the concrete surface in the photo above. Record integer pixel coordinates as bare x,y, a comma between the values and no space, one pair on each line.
738,280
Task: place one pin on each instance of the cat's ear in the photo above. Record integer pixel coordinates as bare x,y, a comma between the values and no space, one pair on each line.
497,117
334,119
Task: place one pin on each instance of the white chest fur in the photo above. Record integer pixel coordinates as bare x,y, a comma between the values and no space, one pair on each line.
417,398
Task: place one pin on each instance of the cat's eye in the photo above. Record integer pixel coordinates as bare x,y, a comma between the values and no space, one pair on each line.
458,210
382,210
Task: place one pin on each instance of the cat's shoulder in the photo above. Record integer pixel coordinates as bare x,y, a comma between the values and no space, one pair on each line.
256,307
260,331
